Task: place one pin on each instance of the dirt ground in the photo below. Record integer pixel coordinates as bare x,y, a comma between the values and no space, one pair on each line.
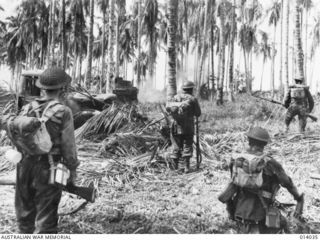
160,200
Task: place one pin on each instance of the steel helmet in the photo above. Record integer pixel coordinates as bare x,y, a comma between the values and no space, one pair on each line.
53,78
298,77
188,85
259,134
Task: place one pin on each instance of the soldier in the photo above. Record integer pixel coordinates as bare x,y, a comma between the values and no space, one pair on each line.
256,179
183,108
298,101
36,201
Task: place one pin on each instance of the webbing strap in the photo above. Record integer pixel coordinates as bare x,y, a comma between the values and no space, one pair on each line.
50,110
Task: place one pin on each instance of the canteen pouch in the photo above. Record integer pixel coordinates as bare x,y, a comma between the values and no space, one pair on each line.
59,174
273,217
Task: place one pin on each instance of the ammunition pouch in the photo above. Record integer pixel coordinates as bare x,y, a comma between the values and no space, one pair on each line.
273,217
59,173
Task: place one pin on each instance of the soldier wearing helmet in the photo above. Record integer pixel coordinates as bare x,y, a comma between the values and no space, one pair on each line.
256,179
298,101
36,201
183,108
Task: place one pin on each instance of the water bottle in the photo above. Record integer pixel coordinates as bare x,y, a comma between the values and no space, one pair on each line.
13,156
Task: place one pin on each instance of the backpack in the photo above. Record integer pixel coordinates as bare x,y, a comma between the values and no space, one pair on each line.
30,134
247,170
297,92
179,109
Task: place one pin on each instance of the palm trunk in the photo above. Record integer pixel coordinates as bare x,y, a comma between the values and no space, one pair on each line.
172,26
281,46
221,56
261,80
75,36
212,62
273,60
53,33
298,43
306,47
63,37
204,37
90,45
81,46
246,70
111,41
117,44
186,35
49,36
139,44
286,61
231,57
103,48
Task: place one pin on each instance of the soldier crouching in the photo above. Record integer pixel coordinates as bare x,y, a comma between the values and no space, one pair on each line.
256,179
183,108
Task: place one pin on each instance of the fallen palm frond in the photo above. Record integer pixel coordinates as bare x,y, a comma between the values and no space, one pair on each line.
111,120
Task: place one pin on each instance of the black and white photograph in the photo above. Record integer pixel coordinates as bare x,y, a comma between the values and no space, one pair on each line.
159,117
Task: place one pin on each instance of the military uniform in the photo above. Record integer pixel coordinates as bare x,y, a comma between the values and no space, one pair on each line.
298,101
250,207
249,204
37,201
182,130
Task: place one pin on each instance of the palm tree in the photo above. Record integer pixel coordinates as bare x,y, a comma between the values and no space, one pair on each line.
221,69
265,49
111,42
286,61
307,5
149,22
172,27
247,34
298,42
281,46
138,63
204,42
315,36
63,34
52,25
273,20
90,45
231,46
103,4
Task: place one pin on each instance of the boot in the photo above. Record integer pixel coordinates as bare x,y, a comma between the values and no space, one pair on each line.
187,168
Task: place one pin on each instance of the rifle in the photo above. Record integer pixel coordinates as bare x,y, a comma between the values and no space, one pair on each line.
312,117
199,155
88,193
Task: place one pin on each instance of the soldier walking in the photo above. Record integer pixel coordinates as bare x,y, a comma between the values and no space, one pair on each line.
183,108
37,199
256,179
298,101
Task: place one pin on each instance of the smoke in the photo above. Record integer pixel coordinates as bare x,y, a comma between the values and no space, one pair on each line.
147,94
